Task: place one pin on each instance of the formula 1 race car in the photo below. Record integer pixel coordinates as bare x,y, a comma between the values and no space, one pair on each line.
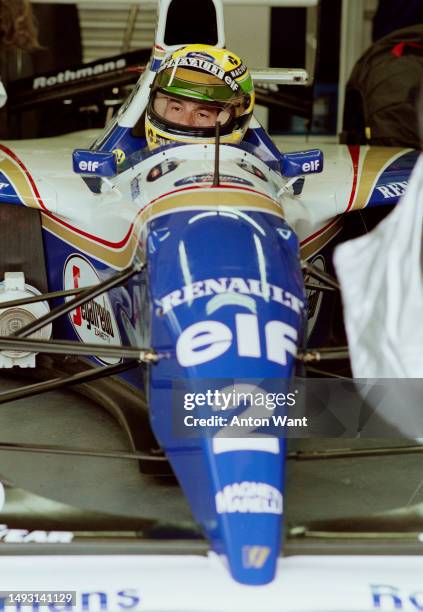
184,272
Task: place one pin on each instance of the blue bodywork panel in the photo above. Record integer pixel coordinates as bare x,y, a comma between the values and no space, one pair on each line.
95,163
302,162
393,182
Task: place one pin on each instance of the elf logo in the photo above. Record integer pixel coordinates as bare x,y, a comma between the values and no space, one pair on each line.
299,163
94,321
311,166
207,340
88,166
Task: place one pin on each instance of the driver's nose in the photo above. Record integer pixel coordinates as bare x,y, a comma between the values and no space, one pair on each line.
186,118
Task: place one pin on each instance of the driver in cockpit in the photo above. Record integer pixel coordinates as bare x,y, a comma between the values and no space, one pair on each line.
196,87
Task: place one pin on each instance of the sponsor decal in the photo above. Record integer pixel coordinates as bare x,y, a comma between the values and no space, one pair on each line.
237,72
94,321
126,599
40,82
23,536
311,166
254,497
100,163
160,141
88,166
233,60
162,169
373,181
298,163
202,56
135,187
208,178
195,62
252,169
207,340
152,136
393,190
120,155
4,186
255,556
388,597
215,286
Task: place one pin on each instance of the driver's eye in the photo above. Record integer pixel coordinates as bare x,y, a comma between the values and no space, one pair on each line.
175,106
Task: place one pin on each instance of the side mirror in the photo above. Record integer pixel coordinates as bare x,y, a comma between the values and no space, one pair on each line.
94,163
302,162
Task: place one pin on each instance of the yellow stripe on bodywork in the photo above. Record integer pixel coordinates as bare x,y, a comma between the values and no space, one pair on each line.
315,245
117,258
210,200
20,181
214,199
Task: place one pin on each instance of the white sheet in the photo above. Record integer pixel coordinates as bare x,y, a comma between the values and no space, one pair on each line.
381,281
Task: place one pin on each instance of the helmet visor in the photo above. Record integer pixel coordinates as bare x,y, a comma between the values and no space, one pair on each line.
188,112
197,84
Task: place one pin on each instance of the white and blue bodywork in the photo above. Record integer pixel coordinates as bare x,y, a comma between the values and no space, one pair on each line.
222,296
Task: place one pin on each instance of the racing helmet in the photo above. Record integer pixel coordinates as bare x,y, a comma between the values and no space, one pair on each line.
195,87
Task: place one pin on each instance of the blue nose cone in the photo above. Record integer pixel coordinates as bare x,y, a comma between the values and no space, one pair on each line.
229,298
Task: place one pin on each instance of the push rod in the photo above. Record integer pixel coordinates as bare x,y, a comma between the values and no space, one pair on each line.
323,354
43,297
316,287
319,274
57,383
56,450
341,453
294,456
67,347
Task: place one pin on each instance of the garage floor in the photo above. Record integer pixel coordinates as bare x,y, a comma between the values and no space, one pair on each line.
318,492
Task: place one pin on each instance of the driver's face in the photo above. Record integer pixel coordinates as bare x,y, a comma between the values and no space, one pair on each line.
191,114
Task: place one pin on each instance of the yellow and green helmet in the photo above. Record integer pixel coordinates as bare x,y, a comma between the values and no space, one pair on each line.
195,87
